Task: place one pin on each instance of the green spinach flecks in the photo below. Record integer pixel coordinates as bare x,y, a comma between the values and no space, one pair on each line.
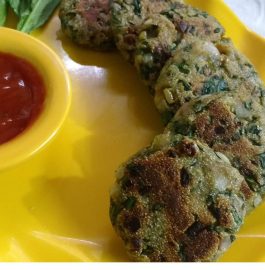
169,14
253,132
254,129
217,30
198,107
158,207
252,183
184,128
147,250
152,31
137,7
262,160
237,217
185,85
167,116
188,48
248,105
214,85
184,68
129,203
204,14
114,212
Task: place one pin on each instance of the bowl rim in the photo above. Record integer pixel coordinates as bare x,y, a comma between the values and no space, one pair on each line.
57,100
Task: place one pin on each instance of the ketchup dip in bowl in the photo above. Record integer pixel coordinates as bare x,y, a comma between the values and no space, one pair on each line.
35,96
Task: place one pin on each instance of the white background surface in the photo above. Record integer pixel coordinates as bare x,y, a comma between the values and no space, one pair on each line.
251,12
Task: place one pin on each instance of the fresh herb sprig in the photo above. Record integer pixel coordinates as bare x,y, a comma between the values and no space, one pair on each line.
32,13
3,11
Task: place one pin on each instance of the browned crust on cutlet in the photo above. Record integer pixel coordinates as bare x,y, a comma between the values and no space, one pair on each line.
223,214
162,187
216,123
159,177
247,153
246,191
202,247
242,147
232,124
217,126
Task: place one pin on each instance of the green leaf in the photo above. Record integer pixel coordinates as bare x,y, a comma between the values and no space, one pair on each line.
25,9
20,7
22,21
3,12
33,3
14,4
41,11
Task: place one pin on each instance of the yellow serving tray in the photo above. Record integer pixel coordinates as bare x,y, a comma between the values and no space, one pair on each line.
54,207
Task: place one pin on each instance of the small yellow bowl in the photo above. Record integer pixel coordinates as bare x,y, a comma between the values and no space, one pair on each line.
57,99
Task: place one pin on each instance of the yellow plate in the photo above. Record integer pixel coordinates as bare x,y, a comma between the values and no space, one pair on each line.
54,207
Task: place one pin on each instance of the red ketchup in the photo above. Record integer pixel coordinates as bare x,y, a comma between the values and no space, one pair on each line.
22,95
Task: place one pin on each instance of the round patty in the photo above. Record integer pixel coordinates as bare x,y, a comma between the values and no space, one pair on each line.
158,39
87,22
200,68
128,16
177,201
234,125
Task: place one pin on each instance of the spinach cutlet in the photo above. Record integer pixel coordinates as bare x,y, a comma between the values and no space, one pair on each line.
87,22
177,200
159,37
200,68
128,16
184,197
234,125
